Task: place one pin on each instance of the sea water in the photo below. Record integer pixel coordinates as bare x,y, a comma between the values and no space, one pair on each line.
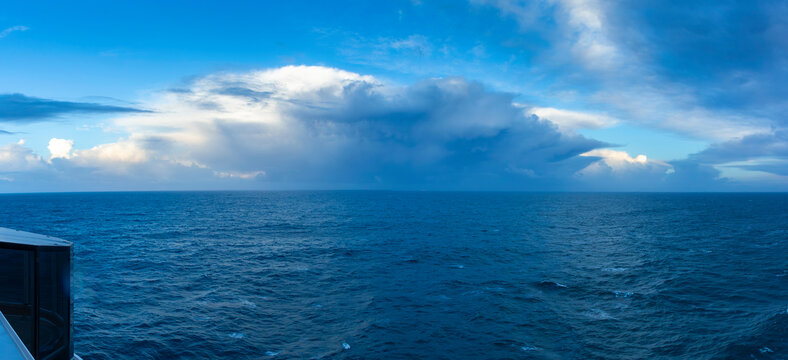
417,275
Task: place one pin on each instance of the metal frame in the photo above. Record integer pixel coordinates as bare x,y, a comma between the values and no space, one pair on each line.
36,250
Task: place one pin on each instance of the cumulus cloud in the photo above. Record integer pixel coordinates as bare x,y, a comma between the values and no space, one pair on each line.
319,127
16,157
112,157
616,170
305,126
21,108
60,148
621,163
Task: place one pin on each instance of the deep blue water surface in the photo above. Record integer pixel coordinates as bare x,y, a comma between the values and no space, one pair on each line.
398,275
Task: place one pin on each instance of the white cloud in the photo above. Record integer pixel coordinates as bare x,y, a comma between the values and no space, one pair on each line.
60,148
15,157
568,120
8,31
592,43
319,125
620,163
239,175
112,157
582,23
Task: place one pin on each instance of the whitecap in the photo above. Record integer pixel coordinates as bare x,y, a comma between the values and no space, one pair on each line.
552,283
529,348
765,350
345,346
248,304
599,314
458,266
614,269
622,294
272,353
236,335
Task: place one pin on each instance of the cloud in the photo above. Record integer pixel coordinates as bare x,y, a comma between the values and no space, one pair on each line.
591,42
776,167
617,170
763,152
15,157
300,127
112,157
319,127
617,160
621,163
416,44
754,146
573,120
8,31
240,175
582,25
21,108
60,148
711,71
318,124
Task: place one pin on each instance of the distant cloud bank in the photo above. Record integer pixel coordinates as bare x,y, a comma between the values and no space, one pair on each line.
319,127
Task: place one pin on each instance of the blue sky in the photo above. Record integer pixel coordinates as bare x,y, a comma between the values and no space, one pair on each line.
452,95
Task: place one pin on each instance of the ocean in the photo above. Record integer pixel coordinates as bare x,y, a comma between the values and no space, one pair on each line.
420,275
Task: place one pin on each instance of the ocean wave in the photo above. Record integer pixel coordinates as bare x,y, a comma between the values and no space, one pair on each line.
622,294
766,339
551,284
598,314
